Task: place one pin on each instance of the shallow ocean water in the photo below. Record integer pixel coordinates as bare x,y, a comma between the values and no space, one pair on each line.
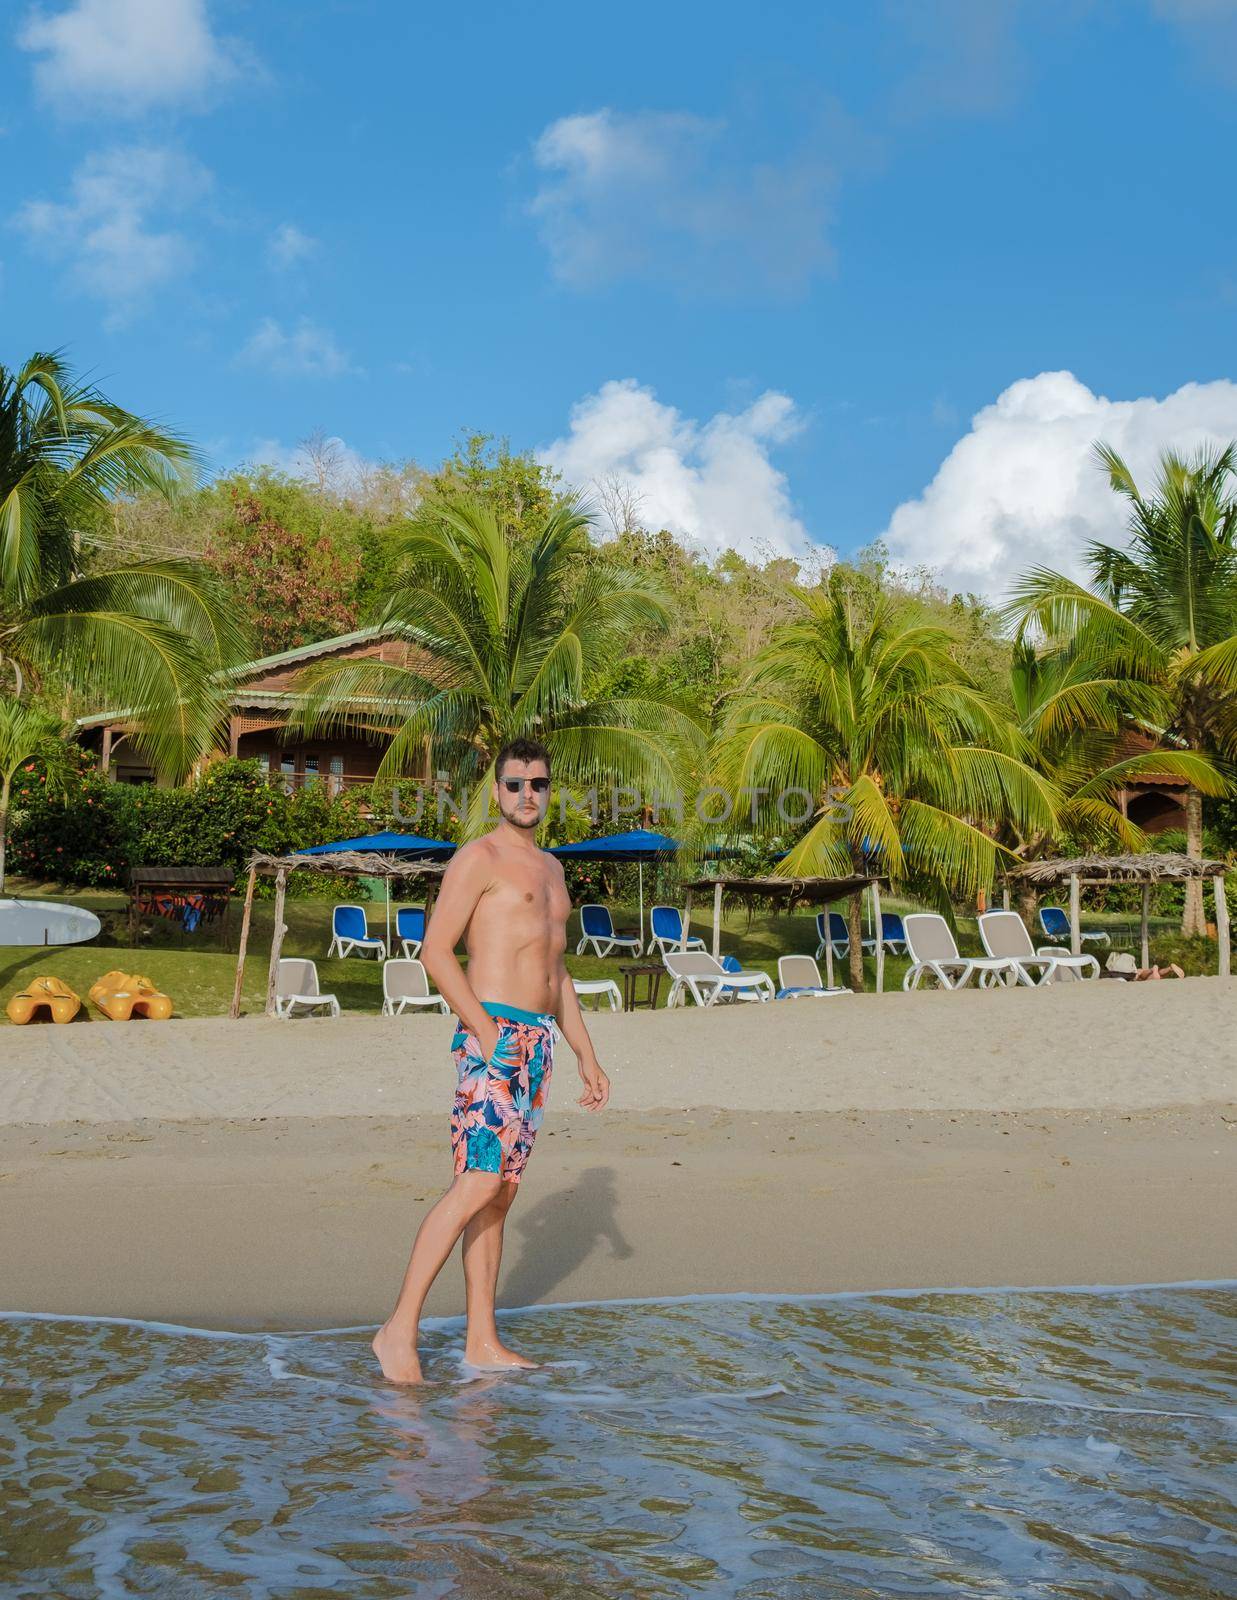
1013,1443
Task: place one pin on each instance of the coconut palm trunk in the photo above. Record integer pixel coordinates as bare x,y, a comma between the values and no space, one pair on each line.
854,925
1194,920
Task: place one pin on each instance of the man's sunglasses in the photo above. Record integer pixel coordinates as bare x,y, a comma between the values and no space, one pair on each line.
514,785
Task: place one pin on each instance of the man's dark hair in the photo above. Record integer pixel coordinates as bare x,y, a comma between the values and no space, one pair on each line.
521,749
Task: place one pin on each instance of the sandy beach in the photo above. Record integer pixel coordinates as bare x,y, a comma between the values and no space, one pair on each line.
269,1175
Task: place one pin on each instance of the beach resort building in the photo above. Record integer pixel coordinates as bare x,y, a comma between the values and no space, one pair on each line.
262,698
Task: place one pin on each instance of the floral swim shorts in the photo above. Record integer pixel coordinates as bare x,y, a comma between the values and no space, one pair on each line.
498,1103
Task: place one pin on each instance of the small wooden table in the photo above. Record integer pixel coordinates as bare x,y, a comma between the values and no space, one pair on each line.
634,970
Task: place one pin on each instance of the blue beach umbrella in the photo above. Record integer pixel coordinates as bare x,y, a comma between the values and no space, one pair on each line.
385,844
638,845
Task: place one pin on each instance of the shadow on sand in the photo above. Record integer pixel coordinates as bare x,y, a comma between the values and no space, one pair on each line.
560,1233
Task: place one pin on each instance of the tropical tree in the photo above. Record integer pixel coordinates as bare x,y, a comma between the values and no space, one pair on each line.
908,765
1159,615
1073,721
509,634
27,733
147,636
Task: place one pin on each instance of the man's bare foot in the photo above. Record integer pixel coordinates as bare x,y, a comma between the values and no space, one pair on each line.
397,1356
494,1354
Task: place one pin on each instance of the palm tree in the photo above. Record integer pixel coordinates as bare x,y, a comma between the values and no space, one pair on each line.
1159,615
1073,721
510,629
908,763
26,733
145,637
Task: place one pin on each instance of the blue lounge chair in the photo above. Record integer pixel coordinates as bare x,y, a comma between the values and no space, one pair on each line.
667,926
893,934
1055,923
410,930
350,931
839,934
597,929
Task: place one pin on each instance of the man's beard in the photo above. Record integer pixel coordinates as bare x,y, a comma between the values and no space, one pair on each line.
518,821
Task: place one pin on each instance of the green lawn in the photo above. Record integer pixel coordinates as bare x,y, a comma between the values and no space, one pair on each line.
198,971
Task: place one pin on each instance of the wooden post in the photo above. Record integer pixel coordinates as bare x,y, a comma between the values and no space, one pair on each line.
1075,912
880,937
1146,924
828,948
234,1010
105,763
717,920
687,917
1005,896
277,933
1226,958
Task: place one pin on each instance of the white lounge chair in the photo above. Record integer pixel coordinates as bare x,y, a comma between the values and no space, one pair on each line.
296,989
703,977
1055,923
597,929
934,953
666,923
405,984
602,987
798,978
1004,934
350,931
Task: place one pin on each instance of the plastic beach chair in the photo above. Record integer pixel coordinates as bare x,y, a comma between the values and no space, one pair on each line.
350,931
798,978
666,923
597,929
604,988
839,935
296,989
1004,934
893,934
933,953
410,930
1055,923
702,976
405,984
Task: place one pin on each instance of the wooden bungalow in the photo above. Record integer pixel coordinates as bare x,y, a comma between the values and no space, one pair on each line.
263,696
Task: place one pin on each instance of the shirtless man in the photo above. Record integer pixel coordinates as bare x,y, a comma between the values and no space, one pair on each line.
506,897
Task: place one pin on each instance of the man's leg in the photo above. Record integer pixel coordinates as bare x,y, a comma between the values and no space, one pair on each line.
483,1253
395,1343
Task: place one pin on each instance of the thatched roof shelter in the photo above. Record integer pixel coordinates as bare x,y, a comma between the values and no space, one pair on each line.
1144,869
1120,869
346,864
340,864
786,893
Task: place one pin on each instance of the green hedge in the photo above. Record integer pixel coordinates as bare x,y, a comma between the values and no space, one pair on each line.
91,833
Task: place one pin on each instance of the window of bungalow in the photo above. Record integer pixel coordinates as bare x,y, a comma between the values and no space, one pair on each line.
311,769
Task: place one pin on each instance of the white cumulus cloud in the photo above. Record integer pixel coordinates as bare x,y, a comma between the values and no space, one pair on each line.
127,56
303,351
288,246
1022,489
107,230
668,195
712,483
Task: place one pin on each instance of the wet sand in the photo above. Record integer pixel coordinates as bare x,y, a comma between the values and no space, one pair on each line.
305,1222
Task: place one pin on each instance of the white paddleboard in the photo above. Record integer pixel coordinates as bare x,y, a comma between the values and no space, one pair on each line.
45,922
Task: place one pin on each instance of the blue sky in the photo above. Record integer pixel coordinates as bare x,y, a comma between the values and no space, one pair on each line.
803,274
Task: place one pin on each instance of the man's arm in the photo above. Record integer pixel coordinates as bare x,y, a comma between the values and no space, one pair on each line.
571,1021
463,883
